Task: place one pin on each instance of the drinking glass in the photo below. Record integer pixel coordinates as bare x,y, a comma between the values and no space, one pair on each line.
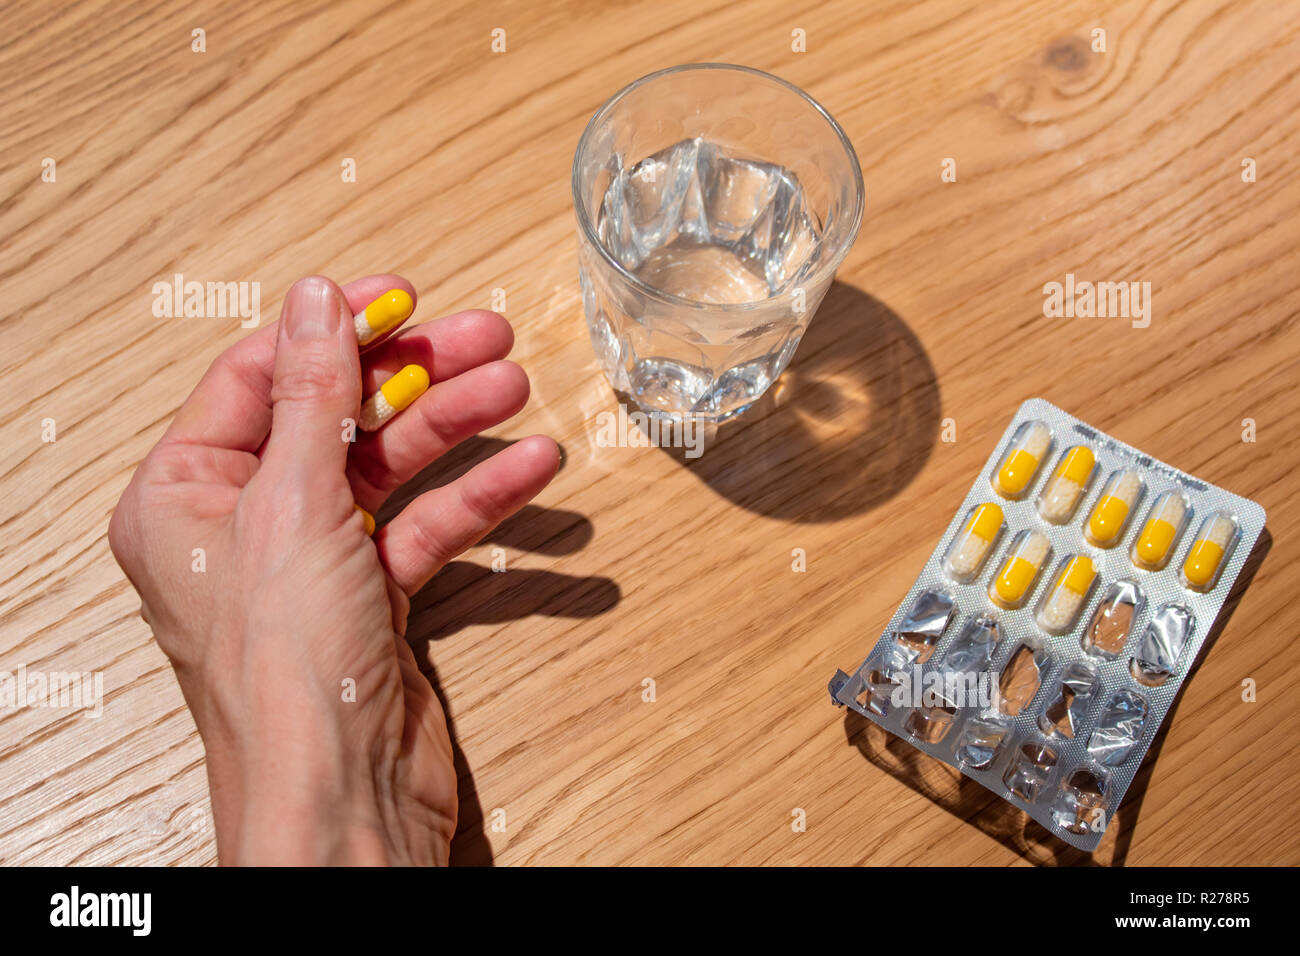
714,204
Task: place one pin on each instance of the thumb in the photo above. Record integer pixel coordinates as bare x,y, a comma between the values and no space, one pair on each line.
317,381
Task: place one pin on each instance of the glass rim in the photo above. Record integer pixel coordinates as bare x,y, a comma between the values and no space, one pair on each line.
824,271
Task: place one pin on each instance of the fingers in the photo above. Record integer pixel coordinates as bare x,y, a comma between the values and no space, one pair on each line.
316,383
444,348
438,420
473,390
440,524
231,405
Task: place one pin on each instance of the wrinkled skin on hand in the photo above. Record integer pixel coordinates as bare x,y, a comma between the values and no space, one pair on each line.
284,621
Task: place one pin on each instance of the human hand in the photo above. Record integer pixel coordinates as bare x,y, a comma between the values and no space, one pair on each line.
294,599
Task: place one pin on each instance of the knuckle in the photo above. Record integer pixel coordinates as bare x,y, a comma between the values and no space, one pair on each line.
427,542
434,418
313,374
482,503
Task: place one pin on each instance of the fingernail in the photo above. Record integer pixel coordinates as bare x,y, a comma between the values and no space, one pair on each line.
312,309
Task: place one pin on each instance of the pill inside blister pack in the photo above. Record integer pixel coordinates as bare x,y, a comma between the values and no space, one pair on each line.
1045,640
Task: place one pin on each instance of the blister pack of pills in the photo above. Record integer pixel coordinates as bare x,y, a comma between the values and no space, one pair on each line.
1047,636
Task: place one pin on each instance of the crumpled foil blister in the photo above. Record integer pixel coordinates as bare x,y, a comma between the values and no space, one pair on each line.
1067,755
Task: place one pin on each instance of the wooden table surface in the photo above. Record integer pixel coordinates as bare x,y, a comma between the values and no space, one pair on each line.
226,165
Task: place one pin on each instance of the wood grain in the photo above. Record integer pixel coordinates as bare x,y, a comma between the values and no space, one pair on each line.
634,564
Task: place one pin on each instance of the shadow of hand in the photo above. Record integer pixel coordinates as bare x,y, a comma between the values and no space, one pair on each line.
464,593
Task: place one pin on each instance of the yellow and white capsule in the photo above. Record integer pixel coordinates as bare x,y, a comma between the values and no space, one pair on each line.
1209,551
1061,495
367,519
1014,582
1159,536
1069,591
1029,446
393,396
1110,515
973,542
388,311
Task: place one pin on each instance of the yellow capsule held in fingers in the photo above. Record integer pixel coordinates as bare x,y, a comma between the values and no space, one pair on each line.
367,518
1206,557
389,310
1029,446
973,542
1165,521
393,396
1025,558
1111,513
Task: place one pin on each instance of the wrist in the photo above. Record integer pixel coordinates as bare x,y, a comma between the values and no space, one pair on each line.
276,814
286,837
287,797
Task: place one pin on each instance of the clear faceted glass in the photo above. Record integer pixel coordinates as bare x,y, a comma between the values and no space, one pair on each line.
714,204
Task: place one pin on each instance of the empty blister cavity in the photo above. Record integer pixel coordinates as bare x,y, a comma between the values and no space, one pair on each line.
980,741
877,692
1110,515
1119,728
972,649
931,724
1063,715
1030,769
1158,539
922,628
1020,463
1063,491
1020,678
1162,644
1110,625
1067,594
1016,576
971,547
1209,552
1080,807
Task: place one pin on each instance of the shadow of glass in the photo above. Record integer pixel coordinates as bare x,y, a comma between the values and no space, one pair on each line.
463,593
970,802
846,427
